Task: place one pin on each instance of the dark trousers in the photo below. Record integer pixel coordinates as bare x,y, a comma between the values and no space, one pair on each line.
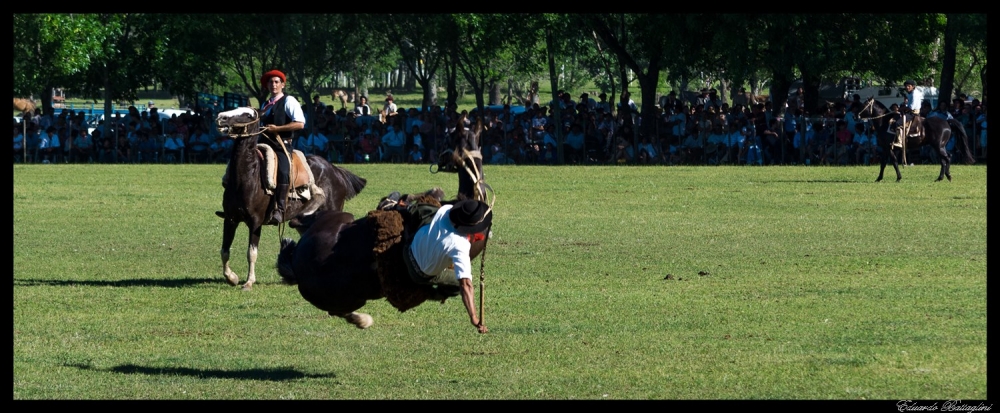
283,164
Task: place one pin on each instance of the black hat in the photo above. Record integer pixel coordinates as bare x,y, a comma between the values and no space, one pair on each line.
909,82
470,217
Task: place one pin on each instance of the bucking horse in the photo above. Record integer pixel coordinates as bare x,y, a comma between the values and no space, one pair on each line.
339,262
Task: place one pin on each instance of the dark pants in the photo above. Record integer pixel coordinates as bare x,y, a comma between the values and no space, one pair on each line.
283,165
446,277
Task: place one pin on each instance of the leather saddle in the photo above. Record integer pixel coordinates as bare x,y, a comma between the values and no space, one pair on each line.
301,176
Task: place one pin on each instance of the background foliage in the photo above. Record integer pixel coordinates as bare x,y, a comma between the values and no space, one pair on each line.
89,54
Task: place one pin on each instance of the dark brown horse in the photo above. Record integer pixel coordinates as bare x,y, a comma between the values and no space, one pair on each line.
335,265
932,131
244,199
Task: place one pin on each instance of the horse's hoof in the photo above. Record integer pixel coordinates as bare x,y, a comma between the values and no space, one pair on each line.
360,320
232,279
247,287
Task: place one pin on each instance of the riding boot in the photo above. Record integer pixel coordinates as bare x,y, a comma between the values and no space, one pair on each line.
280,193
390,202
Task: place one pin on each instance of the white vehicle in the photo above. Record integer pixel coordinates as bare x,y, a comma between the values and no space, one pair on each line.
887,95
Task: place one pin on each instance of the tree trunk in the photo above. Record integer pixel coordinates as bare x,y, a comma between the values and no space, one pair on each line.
810,87
425,85
495,93
948,62
451,71
725,91
46,99
779,90
433,85
982,75
647,85
554,84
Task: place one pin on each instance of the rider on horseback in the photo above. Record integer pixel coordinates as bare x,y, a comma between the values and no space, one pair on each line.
914,97
280,117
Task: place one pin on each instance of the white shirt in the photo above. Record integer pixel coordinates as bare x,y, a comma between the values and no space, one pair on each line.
914,99
436,246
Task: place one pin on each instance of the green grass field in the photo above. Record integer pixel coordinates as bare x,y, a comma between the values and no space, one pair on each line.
601,283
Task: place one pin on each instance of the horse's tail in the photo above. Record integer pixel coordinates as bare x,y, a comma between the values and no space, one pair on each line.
284,265
354,182
958,131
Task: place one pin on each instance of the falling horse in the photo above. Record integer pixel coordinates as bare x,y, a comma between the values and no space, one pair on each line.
246,199
918,132
339,262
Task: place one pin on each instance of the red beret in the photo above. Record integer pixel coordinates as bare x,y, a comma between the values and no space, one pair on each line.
267,76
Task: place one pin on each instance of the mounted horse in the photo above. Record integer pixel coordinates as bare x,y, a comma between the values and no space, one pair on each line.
895,133
250,180
339,262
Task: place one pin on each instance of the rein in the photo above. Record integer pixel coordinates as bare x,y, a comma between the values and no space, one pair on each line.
870,107
477,179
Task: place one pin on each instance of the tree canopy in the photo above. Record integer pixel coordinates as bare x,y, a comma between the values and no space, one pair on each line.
111,56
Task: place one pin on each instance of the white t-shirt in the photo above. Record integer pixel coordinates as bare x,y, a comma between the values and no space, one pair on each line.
437,246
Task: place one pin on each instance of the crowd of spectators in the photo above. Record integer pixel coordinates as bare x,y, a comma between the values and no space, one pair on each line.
698,132
136,137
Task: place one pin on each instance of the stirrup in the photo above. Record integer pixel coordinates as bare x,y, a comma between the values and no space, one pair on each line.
275,219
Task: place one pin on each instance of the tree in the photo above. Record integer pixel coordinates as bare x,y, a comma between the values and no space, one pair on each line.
969,29
419,40
309,50
642,44
243,53
484,49
193,45
49,49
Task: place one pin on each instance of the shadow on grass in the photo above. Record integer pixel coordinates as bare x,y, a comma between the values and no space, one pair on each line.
814,181
281,374
141,282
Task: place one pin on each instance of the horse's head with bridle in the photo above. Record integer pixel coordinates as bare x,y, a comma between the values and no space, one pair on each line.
464,158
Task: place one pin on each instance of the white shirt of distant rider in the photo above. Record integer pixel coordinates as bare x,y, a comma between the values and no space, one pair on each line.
914,99
389,108
436,246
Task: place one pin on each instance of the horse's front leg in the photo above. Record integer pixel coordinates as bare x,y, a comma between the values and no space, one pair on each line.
252,258
228,233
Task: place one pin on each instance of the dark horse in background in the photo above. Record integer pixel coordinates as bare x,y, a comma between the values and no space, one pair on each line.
244,199
334,264
932,131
